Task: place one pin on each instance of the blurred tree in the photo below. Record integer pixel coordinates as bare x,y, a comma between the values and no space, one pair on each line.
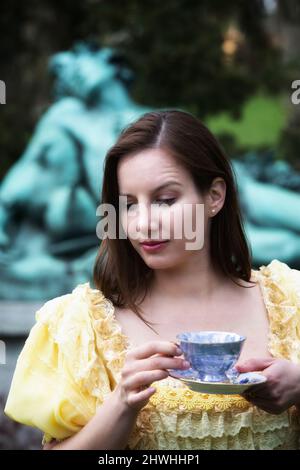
202,55
177,50
289,15
30,31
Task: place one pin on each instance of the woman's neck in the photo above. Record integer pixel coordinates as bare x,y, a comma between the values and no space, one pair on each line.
194,280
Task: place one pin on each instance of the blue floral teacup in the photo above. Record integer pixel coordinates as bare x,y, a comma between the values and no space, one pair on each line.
212,354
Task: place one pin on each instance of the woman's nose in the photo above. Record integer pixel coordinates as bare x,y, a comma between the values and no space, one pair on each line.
147,220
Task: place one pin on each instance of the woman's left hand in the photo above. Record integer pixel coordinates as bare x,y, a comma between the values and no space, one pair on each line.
282,388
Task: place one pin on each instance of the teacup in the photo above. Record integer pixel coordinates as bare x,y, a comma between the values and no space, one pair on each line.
212,354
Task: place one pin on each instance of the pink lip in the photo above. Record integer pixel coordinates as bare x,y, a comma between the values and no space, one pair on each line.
153,242
153,246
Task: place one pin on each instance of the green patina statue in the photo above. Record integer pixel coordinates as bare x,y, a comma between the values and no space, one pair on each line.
48,199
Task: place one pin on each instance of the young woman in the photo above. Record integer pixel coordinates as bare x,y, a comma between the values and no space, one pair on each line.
93,373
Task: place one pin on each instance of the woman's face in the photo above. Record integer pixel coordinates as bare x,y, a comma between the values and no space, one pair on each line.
161,205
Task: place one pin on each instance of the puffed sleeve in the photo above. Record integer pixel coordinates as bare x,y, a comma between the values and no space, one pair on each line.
282,286
70,363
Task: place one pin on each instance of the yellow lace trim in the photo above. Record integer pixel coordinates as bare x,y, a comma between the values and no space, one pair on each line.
111,344
170,397
281,291
244,440
252,428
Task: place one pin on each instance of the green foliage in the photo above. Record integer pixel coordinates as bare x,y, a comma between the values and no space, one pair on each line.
262,120
289,143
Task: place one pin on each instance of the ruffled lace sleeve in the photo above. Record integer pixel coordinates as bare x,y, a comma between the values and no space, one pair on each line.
70,362
281,291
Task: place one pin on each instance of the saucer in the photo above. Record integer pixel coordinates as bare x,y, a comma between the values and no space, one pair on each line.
240,385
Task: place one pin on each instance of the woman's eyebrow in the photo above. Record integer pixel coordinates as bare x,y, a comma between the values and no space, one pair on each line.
168,183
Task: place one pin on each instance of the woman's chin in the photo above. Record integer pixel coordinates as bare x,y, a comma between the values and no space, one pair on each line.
159,262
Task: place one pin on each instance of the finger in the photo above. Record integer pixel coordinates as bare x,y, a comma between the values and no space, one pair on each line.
255,364
160,362
135,398
145,378
155,347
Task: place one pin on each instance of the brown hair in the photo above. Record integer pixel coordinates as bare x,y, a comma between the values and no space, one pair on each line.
119,271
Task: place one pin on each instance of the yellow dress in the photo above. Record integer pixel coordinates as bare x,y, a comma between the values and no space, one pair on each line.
74,354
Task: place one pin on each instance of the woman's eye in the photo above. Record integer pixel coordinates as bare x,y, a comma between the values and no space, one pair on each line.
166,201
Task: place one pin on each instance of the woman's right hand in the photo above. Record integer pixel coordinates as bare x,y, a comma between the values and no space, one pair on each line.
144,365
